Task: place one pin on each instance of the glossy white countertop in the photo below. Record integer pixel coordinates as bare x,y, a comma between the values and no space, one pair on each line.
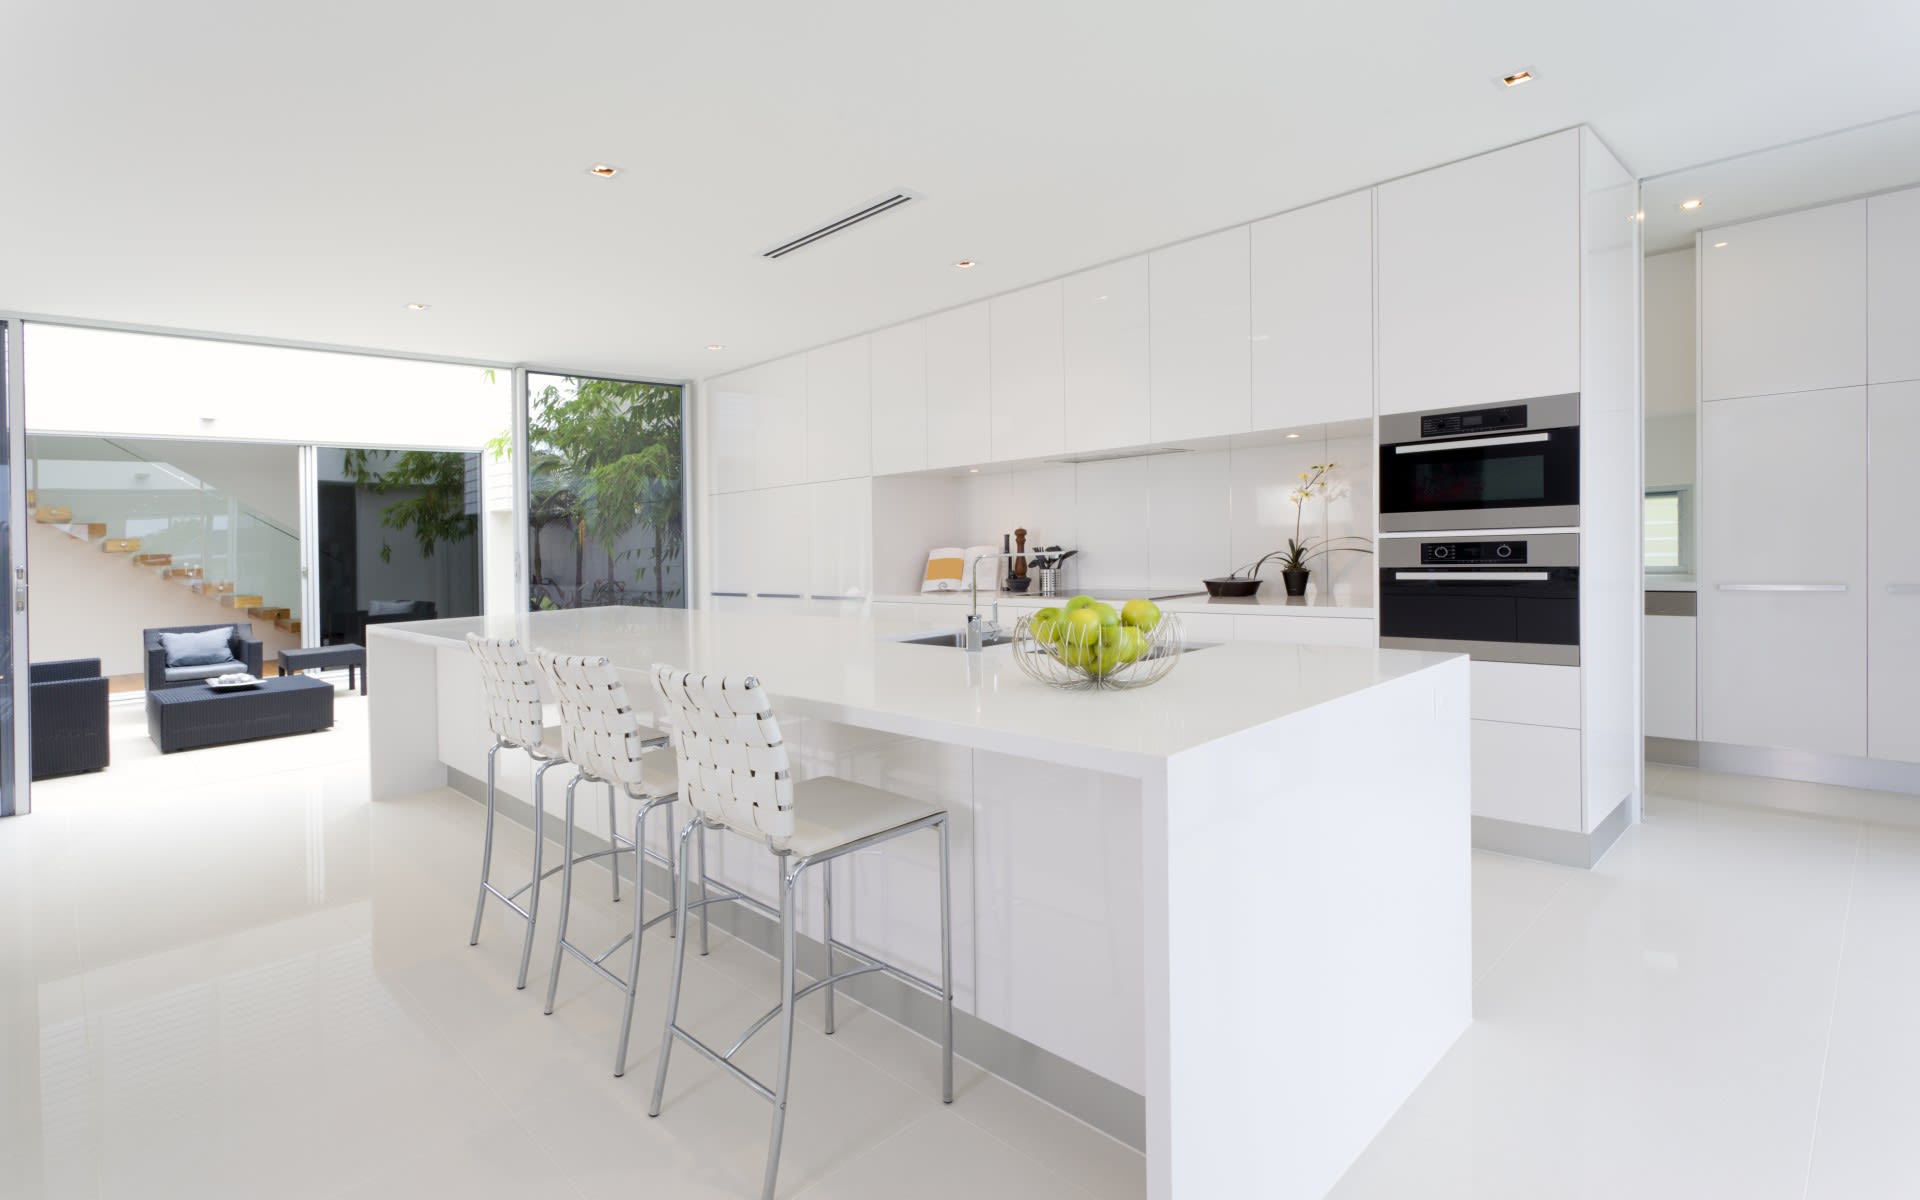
1261,605
849,669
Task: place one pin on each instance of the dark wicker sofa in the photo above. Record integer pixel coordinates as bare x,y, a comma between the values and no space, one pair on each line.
68,703
247,656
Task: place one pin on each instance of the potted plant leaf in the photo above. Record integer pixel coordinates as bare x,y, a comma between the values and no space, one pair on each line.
1300,551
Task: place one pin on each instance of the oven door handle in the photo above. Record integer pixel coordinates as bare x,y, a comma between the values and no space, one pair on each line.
1473,575
1514,439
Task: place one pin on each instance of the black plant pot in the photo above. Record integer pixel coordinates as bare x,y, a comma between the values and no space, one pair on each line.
1296,580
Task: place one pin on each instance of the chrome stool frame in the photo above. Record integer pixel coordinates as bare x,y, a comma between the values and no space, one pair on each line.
735,774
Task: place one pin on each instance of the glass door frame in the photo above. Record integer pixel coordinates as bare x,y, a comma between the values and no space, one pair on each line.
13,330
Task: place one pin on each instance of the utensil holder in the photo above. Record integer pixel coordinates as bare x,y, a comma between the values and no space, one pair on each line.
1048,581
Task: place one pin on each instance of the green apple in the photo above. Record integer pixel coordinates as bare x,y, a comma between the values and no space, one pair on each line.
1130,643
1047,624
1078,603
1110,657
1141,614
1083,626
1109,615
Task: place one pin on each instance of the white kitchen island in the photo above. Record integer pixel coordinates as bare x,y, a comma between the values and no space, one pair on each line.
1229,914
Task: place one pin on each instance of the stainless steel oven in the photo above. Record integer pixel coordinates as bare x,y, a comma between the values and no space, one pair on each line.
1513,466
1507,600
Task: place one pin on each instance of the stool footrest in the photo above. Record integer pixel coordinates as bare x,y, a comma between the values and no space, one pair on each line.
906,977
798,996
507,900
765,1092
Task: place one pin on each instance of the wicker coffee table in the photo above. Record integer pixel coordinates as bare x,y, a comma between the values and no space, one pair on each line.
188,718
314,658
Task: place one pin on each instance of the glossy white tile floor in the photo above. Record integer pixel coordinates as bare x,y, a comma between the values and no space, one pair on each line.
226,973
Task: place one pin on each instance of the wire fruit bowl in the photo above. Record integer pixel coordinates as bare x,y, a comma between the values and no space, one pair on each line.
1119,656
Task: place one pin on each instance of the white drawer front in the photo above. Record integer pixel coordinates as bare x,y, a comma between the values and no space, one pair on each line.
1529,774
1527,694
1305,631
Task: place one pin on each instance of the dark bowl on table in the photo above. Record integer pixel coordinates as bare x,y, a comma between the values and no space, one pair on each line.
1223,588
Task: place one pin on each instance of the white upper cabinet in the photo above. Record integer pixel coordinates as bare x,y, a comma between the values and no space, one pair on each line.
1029,401
1105,332
1313,314
959,388
1893,581
1783,305
1893,286
900,398
839,411
1201,313
1783,571
1479,278
780,423
732,515
730,408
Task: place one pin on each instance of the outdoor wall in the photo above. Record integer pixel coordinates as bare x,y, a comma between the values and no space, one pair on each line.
450,578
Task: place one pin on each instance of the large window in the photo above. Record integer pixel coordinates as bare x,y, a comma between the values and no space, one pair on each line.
604,485
1665,516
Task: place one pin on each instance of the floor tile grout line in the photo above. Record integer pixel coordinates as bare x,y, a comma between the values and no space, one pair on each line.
1519,937
1072,1186
1833,1008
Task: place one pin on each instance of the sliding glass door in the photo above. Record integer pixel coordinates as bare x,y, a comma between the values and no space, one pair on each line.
14,765
605,492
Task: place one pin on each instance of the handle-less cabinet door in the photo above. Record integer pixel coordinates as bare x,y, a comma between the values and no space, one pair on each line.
1893,573
1893,286
959,388
1313,314
839,411
840,536
780,423
900,398
734,515
1029,400
733,434
782,541
1104,321
1783,606
1479,277
1783,305
1200,319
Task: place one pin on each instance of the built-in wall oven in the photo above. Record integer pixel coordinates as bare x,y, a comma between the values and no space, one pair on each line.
1513,466
1505,600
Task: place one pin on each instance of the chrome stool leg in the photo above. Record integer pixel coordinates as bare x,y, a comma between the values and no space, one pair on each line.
539,843
789,881
679,967
946,968
826,891
486,848
613,841
566,896
705,902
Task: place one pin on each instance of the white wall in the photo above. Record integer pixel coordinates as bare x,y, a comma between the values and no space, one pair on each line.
1167,522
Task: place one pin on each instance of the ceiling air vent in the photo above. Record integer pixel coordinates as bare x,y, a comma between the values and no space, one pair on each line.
865,212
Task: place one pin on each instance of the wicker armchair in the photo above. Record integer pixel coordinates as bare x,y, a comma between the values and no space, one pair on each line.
247,655
67,702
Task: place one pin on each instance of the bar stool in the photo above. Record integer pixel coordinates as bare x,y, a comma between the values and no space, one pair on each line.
511,687
735,773
602,735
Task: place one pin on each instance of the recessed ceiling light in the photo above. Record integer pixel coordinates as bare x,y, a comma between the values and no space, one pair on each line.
1291,436
715,346
419,307
964,263
602,171
1689,205
1639,216
1517,78
973,470
1719,245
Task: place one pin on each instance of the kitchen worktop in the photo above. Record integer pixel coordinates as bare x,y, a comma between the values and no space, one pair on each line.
855,669
1200,602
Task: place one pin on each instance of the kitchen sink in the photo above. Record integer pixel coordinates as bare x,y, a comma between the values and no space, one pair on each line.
955,640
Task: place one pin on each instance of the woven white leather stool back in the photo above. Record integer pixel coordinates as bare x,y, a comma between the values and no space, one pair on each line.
599,730
734,768
511,684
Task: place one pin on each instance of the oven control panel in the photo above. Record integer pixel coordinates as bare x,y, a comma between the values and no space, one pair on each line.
1472,554
1484,420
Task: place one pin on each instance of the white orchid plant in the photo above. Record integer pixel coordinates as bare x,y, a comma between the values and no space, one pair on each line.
1316,481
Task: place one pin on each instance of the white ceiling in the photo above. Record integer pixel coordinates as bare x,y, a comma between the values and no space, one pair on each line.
303,172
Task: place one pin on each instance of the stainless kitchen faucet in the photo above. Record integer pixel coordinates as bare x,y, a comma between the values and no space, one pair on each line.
978,631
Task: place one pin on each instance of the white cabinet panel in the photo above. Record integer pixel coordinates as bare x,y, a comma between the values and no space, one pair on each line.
1305,631
781,550
1527,773
1187,541
780,423
1105,361
1313,314
900,398
1210,628
1893,286
733,515
840,538
839,411
1029,413
1479,278
1783,305
1670,678
1527,694
959,389
730,425
1893,560
1201,313
1784,506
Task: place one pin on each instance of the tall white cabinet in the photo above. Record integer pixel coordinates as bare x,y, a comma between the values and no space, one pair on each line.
1201,314
1893,572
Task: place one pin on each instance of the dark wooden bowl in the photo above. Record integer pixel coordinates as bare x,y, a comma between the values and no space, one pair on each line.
1231,587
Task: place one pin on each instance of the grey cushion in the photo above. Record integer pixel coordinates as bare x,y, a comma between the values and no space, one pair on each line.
202,671
198,649
388,608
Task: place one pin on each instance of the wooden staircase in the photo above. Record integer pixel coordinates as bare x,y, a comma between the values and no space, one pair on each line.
186,574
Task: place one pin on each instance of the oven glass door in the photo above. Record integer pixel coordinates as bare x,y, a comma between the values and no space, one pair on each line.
1532,470
1537,606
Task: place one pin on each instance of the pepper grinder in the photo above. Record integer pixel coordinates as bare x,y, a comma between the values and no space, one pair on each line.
1020,549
